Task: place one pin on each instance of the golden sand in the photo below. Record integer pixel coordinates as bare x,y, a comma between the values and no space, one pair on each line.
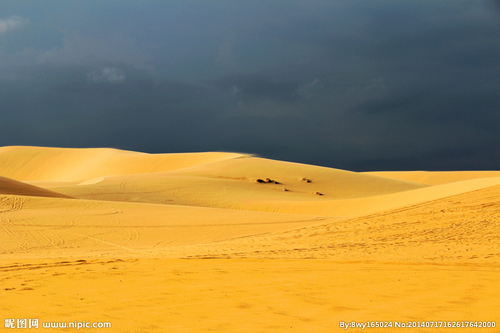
204,242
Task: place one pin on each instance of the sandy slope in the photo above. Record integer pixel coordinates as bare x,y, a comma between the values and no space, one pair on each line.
42,227
11,186
368,205
463,228
128,247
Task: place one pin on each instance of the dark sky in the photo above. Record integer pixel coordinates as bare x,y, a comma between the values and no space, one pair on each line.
358,85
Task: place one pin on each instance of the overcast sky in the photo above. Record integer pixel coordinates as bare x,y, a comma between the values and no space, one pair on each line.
358,85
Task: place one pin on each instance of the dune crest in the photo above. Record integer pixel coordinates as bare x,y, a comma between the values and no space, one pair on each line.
73,164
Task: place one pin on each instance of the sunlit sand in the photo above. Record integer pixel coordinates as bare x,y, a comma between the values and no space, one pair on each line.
229,242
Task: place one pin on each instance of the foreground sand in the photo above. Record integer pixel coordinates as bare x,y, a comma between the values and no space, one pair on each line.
229,242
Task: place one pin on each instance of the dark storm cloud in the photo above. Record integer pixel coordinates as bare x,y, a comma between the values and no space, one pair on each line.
356,85
69,105
253,85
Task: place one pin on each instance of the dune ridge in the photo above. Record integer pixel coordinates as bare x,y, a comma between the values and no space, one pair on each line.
73,164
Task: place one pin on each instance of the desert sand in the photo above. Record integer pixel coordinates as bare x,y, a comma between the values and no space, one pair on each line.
228,242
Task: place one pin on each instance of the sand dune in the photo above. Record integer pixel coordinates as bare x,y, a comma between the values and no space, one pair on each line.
84,231
244,194
11,186
234,184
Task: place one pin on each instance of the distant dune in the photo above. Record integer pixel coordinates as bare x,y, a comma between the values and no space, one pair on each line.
84,230
434,177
